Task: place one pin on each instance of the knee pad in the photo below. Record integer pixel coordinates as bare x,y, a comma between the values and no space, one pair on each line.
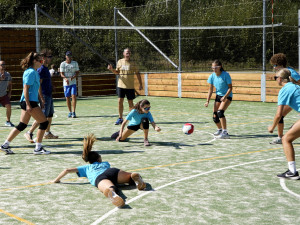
21,126
281,120
216,117
221,113
145,123
44,125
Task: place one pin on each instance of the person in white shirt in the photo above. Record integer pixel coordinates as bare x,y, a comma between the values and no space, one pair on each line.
69,70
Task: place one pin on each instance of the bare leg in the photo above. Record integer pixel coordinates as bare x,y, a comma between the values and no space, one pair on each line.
24,118
280,126
216,106
126,133
39,116
49,125
130,104
8,111
68,100
121,107
33,126
287,140
224,106
106,187
74,102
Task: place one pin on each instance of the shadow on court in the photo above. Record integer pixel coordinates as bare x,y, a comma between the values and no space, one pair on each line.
181,122
246,136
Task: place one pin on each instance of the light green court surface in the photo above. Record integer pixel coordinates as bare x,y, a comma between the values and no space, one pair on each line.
192,179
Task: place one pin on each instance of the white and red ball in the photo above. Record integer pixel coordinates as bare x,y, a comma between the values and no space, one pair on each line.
188,128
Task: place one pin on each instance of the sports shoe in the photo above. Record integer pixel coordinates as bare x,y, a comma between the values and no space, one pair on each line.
7,150
119,121
289,175
69,115
278,140
50,136
115,199
41,151
115,135
146,142
218,132
9,124
29,137
223,135
74,115
140,184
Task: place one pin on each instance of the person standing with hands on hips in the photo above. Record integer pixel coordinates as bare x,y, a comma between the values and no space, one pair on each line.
222,82
5,92
126,68
69,70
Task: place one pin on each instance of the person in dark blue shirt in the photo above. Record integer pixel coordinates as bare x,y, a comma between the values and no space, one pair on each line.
46,85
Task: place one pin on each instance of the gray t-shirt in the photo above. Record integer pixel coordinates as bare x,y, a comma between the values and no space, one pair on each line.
4,83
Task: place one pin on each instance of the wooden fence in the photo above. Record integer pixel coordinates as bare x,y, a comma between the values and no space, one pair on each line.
246,85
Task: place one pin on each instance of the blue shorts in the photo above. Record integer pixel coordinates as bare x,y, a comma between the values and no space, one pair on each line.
48,109
70,90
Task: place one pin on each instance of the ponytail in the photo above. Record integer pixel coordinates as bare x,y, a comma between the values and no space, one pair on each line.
88,155
28,60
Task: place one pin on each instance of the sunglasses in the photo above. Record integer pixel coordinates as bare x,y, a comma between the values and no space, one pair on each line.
2,64
275,77
274,66
49,56
147,108
215,67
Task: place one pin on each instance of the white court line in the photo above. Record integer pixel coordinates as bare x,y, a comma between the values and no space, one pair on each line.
174,182
284,187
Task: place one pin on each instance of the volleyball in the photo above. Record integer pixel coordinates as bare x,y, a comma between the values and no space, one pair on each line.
188,128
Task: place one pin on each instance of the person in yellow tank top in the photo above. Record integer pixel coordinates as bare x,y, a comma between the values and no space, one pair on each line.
126,70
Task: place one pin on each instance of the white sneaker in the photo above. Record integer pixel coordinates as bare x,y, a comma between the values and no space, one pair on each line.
223,135
7,150
278,140
41,151
218,132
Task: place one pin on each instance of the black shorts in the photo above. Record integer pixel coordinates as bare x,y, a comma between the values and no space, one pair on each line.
218,98
109,174
130,94
135,127
33,105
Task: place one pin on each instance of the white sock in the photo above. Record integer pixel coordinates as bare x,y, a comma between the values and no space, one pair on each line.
224,130
38,145
46,133
6,143
292,166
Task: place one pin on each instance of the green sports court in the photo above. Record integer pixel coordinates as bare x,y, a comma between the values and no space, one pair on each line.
191,179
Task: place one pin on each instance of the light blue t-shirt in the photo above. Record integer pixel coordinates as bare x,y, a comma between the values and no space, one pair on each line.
220,82
92,171
31,77
294,74
135,118
290,95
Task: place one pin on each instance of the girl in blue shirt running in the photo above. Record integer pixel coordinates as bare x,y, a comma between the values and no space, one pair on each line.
221,80
29,104
139,118
101,175
289,95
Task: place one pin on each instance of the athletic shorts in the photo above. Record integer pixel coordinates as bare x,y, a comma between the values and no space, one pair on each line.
48,109
33,105
109,174
70,90
4,100
145,124
130,94
218,98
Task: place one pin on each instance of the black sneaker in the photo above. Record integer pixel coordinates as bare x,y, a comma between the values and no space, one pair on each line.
115,135
289,175
7,150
